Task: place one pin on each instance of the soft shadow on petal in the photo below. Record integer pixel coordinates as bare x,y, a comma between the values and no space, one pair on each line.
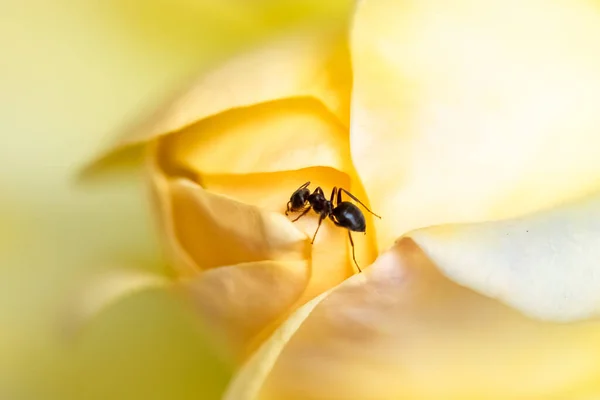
546,264
274,136
467,111
307,62
237,302
403,330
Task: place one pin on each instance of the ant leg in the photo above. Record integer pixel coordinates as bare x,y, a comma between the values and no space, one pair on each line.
302,187
301,215
353,256
333,192
321,218
287,211
355,199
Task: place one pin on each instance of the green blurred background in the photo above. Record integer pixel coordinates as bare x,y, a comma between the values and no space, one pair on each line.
73,75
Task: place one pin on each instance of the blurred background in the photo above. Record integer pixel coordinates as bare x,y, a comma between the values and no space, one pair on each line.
73,76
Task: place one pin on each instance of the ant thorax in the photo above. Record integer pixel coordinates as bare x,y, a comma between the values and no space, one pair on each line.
320,204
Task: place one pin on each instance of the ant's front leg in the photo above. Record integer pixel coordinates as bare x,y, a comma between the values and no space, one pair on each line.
287,210
302,215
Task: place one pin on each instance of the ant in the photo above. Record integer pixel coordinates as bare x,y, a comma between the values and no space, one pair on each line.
343,213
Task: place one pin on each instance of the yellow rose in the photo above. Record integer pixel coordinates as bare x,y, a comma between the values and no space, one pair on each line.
472,129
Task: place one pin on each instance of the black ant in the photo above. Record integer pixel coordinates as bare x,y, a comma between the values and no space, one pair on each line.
344,214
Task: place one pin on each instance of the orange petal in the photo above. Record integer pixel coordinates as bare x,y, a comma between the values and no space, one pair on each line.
466,111
403,330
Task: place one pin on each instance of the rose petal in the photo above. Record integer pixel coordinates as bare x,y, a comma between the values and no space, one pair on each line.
248,381
212,230
403,330
547,264
466,111
274,136
308,62
238,302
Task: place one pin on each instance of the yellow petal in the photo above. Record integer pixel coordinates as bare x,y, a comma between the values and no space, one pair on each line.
307,62
274,136
209,230
546,264
466,111
237,302
403,330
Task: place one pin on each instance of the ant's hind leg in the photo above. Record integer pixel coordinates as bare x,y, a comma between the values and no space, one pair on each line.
333,192
355,199
353,256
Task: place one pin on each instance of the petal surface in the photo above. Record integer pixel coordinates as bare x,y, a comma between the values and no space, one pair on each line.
275,136
403,330
237,302
546,265
467,111
212,230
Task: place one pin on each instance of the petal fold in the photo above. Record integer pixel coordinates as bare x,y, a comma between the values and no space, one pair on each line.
237,302
213,230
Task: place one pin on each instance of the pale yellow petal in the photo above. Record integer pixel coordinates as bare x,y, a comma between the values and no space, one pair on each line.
237,302
306,62
466,111
403,330
547,264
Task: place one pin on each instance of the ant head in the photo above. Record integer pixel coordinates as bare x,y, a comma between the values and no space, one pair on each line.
299,197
